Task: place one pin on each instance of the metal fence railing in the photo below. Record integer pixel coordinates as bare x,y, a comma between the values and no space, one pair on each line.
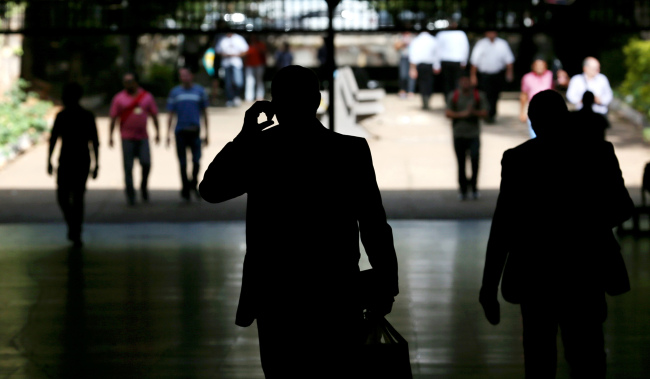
273,16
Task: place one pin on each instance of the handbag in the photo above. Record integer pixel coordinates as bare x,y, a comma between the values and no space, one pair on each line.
384,352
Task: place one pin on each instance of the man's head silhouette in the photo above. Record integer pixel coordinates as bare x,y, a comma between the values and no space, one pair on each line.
588,100
71,95
546,108
296,94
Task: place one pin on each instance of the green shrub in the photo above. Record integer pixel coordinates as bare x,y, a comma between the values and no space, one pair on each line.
21,112
636,86
159,79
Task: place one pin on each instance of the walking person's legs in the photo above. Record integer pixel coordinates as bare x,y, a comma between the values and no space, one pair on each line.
540,326
460,147
238,80
229,84
425,81
144,156
77,206
474,152
128,155
411,87
259,82
63,194
403,72
492,84
450,74
196,159
181,152
581,327
249,93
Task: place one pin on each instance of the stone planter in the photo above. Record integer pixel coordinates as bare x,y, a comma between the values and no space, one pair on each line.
11,151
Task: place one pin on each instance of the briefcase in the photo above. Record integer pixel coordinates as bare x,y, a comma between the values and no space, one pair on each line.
384,352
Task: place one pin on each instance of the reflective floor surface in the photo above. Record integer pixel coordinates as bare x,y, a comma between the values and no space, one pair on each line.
159,300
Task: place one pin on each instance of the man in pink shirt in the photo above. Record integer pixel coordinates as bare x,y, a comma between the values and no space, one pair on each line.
133,106
538,80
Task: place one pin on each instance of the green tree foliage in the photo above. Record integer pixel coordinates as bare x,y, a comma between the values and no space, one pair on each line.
159,79
636,86
21,112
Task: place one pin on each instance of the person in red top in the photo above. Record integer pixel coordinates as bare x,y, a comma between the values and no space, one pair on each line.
133,106
540,78
255,62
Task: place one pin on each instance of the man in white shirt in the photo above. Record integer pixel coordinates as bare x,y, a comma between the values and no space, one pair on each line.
424,62
231,48
590,80
453,50
490,59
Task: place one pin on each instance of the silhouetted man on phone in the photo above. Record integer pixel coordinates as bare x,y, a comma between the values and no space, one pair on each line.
552,240
311,193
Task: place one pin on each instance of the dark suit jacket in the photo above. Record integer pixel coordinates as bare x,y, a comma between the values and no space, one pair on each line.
552,227
310,195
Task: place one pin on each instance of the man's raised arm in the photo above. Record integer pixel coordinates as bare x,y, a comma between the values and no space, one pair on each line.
226,176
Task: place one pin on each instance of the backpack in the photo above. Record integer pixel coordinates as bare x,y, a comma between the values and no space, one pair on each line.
454,99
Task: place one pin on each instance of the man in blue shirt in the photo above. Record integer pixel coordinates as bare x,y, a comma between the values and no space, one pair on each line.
188,102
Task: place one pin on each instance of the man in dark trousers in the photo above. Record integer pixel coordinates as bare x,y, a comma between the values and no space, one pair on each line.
133,106
76,128
560,198
311,193
465,107
188,104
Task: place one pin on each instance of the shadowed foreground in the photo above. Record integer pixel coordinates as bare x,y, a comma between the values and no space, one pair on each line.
159,300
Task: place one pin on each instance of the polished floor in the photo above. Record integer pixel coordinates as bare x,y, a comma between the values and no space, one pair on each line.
157,300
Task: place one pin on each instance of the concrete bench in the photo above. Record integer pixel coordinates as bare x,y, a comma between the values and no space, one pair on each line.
360,95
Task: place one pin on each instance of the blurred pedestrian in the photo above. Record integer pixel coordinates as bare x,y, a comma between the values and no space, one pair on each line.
406,83
255,63
589,125
590,80
465,107
191,52
188,103
491,61
284,57
453,51
424,62
540,78
232,47
133,106
76,128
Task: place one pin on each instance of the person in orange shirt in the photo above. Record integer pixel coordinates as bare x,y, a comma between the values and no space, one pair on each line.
255,63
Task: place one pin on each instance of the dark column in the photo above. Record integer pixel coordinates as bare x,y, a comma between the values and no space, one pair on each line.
331,65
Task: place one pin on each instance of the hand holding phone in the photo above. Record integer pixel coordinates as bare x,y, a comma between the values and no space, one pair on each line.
251,127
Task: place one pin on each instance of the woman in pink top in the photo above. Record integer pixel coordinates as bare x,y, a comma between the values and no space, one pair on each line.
539,79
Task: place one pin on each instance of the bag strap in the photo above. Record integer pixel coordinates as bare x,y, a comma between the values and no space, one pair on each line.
128,111
454,99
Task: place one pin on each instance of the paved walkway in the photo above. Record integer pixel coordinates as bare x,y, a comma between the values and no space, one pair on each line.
412,152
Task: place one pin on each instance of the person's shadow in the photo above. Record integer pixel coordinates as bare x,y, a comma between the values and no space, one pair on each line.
311,194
